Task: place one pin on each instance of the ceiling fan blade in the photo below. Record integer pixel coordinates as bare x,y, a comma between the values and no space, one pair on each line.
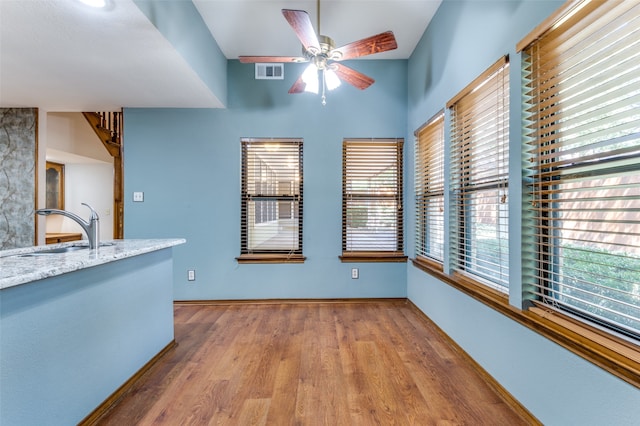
367,46
301,24
353,77
298,86
254,59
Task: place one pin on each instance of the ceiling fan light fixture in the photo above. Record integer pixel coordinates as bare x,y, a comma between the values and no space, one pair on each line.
310,79
331,79
324,57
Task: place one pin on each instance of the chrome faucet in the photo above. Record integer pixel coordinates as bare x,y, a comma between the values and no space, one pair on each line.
91,228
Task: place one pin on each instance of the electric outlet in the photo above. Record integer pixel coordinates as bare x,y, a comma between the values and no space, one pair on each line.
354,273
191,275
138,197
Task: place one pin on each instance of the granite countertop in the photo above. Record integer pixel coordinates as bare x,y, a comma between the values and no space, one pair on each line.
24,265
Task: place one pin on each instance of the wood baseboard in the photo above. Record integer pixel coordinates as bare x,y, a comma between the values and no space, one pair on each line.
286,301
106,405
509,399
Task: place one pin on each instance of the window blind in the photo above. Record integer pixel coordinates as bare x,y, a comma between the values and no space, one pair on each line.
582,80
429,187
271,199
479,174
372,212
582,93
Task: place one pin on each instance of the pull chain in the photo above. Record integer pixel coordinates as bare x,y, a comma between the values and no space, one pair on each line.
324,98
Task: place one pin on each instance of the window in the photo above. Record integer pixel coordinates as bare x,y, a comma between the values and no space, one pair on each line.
372,215
580,248
582,87
479,174
429,186
271,201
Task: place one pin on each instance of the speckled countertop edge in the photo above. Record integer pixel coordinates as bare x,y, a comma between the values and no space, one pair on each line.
17,269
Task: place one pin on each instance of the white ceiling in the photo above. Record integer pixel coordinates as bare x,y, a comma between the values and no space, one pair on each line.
60,55
257,27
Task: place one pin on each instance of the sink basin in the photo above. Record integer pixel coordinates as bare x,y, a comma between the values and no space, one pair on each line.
57,250
62,250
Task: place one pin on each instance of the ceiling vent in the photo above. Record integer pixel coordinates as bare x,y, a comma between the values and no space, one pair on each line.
269,71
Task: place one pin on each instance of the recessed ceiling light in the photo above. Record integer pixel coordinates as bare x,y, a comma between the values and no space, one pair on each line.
95,3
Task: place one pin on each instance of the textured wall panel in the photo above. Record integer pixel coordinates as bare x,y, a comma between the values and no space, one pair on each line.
18,132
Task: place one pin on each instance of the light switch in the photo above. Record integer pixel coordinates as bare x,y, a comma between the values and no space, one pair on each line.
138,197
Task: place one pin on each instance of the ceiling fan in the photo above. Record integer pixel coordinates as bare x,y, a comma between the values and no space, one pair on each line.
324,57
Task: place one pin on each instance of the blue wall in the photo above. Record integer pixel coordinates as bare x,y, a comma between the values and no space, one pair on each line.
560,388
187,163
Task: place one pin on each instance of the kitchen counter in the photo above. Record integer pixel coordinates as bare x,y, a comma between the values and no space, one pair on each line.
18,266
75,326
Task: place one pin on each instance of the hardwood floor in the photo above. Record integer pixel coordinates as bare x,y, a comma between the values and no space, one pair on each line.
311,363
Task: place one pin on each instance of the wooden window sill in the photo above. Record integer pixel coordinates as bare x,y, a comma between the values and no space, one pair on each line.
425,262
613,354
271,258
373,256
